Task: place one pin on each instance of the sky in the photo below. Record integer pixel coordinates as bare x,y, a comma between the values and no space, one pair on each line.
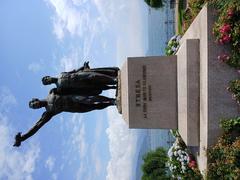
46,37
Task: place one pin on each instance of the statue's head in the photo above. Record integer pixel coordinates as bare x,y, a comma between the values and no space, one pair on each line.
35,103
46,80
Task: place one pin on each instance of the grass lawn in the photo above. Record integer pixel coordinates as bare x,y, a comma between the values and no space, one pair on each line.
180,15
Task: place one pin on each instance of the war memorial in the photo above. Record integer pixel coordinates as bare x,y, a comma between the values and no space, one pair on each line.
185,91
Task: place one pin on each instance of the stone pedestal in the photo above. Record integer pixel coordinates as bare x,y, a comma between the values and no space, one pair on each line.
188,91
214,76
149,92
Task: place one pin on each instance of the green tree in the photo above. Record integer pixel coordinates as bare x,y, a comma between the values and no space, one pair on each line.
155,3
154,167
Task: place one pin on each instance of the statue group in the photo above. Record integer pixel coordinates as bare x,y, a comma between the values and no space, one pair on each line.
77,91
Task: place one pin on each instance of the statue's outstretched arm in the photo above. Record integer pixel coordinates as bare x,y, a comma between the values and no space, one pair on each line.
46,116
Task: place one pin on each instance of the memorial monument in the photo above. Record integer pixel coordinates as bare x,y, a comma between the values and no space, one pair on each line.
185,91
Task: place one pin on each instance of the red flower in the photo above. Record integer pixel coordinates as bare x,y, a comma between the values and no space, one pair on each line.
226,38
192,164
226,28
223,57
230,13
221,41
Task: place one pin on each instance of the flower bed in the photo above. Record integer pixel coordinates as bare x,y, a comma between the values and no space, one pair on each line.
227,31
224,157
178,164
181,163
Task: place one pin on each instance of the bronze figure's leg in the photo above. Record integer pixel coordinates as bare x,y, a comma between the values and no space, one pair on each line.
110,71
79,91
101,79
108,87
100,100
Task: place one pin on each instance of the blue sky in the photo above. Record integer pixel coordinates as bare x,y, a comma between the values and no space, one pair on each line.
46,37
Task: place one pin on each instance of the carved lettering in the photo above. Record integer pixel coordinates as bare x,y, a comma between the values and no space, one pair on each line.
143,92
138,93
150,93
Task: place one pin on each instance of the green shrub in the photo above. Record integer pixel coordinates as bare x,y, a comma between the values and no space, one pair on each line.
154,166
229,125
224,157
194,7
234,88
155,3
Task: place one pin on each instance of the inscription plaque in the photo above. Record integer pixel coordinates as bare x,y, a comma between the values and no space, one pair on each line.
149,92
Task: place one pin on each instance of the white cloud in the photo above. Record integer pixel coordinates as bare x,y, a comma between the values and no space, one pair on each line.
79,2
131,40
34,67
37,66
77,143
79,18
81,142
81,170
98,165
122,144
57,28
90,164
70,16
15,164
6,99
91,156
110,10
99,128
54,176
78,136
70,61
95,156
49,163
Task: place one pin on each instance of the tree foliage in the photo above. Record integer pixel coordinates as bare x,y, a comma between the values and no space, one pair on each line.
154,166
155,3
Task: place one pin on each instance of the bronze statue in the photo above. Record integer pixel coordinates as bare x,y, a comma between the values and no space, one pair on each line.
55,104
76,91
